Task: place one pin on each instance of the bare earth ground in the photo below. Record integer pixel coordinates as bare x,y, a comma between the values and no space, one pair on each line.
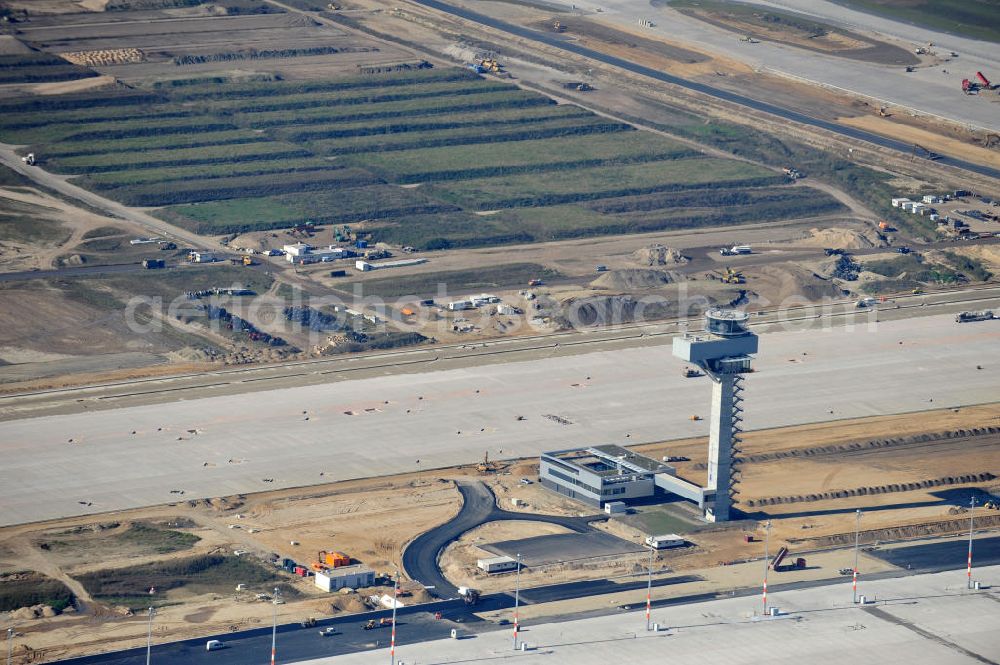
369,520
50,211
372,520
925,137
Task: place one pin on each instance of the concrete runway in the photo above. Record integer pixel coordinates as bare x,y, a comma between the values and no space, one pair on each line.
230,444
929,89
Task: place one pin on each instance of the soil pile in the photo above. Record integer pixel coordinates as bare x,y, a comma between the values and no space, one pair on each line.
658,255
633,278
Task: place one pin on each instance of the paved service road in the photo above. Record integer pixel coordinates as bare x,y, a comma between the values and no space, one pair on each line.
77,271
944,555
557,41
420,558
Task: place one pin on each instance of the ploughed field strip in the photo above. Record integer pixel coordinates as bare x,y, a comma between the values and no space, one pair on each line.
421,152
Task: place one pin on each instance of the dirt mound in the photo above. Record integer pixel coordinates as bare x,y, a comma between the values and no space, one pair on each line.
72,260
350,603
839,238
33,612
658,255
633,278
777,284
105,57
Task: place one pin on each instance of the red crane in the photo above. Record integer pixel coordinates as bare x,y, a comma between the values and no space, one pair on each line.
982,79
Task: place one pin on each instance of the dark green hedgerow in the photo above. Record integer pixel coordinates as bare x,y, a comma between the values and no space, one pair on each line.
277,88
269,184
574,127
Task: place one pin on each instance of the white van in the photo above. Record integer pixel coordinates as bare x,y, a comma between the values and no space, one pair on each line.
214,645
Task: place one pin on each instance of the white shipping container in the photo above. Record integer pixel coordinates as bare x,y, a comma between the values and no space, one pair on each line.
497,564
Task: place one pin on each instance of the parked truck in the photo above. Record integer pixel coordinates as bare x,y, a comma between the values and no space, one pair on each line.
735,250
969,317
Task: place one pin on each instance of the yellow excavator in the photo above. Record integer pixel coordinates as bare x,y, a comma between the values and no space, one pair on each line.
733,277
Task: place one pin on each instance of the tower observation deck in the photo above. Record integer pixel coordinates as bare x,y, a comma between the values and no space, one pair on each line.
724,353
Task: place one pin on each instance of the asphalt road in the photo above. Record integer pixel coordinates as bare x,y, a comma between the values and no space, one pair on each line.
294,643
931,557
76,271
420,558
560,42
417,623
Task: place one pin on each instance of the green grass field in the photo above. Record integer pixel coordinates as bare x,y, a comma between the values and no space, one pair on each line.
232,156
979,19
599,182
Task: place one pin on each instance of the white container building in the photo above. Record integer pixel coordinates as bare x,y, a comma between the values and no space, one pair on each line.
615,507
665,541
345,577
497,564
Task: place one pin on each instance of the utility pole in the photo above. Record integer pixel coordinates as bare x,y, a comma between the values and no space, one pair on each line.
767,560
972,510
517,598
857,536
274,626
649,586
392,639
149,635
10,644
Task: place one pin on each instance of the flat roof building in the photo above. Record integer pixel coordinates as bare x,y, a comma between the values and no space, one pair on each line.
345,577
601,474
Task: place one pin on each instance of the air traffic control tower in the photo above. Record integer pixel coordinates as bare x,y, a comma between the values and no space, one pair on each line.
723,352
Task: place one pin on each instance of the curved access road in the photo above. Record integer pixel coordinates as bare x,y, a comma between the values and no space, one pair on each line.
420,558
562,43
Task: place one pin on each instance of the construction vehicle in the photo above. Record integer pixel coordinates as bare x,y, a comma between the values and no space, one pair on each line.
29,159
690,373
732,277
309,623
491,65
985,82
371,624
247,261
558,26
779,558
910,69
534,282
469,595
882,112
584,87
923,152
969,317
486,466
792,173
